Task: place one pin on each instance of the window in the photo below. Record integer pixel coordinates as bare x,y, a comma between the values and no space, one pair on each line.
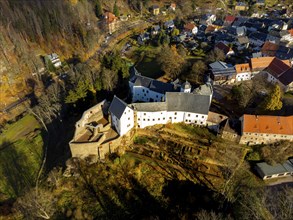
144,113
188,115
163,118
170,118
153,119
148,119
189,120
202,116
175,113
186,120
138,119
157,96
147,91
158,119
128,125
201,122
128,118
196,116
175,118
143,90
144,119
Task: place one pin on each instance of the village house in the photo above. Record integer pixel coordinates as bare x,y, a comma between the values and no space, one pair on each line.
190,28
155,10
267,171
265,129
269,49
111,22
280,73
241,6
155,29
222,73
242,43
172,7
257,38
243,72
207,19
228,51
229,20
54,59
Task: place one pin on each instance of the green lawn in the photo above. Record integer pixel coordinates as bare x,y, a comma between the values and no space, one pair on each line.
21,149
18,129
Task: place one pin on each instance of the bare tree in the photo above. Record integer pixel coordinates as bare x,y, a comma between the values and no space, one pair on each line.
34,204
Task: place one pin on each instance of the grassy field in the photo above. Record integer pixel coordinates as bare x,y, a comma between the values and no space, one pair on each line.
21,149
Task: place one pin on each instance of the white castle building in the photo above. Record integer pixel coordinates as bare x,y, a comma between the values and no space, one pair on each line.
156,102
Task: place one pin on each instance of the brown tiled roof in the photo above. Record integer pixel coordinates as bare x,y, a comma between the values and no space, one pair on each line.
189,26
277,67
223,47
268,124
291,32
287,77
210,28
110,17
242,68
260,63
230,18
269,48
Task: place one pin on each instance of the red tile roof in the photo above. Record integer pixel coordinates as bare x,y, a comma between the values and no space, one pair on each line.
260,63
287,77
269,48
222,47
242,68
189,26
277,67
110,17
230,18
268,124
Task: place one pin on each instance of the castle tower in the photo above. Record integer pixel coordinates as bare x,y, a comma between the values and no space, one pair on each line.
186,87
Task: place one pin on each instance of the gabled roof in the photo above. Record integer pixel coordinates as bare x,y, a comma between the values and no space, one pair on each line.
230,19
222,47
258,36
117,107
188,102
269,48
189,26
260,63
286,77
243,40
110,17
268,124
218,65
268,170
242,68
277,67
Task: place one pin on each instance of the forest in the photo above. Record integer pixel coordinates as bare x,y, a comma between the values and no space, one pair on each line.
123,186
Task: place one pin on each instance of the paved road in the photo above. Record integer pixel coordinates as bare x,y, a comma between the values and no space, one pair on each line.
128,26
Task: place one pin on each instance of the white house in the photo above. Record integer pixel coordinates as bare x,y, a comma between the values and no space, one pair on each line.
243,72
184,107
54,58
145,89
122,116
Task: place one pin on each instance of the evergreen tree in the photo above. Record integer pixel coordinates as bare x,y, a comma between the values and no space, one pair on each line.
98,8
116,9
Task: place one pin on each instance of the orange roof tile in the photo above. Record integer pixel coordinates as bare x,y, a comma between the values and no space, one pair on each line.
291,32
110,17
260,63
189,26
268,124
242,68
269,48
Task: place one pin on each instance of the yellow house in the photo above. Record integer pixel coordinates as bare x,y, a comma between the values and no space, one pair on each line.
241,6
155,10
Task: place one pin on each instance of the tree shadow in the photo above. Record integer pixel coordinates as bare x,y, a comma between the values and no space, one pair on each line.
16,170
